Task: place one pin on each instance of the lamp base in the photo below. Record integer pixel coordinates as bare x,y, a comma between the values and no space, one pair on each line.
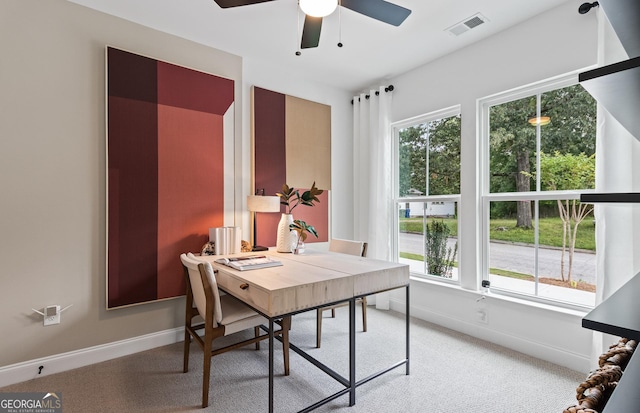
259,248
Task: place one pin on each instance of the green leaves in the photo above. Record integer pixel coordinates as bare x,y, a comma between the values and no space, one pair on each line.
572,131
302,228
285,196
291,197
429,157
440,257
308,197
567,171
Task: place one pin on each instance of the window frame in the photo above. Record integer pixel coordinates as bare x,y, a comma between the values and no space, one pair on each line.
455,110
483,113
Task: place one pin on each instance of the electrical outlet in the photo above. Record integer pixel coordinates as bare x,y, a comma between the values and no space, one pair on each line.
481,316
52,315
55,319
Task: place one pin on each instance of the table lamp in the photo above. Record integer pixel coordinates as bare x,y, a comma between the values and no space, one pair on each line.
261,203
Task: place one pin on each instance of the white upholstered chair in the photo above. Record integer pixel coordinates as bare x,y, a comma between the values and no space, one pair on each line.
358,248
223,315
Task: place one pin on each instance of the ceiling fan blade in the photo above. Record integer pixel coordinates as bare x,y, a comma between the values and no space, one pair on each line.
225,4
379,9
311,32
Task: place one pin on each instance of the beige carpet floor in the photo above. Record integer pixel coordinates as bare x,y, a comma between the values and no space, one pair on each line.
450,373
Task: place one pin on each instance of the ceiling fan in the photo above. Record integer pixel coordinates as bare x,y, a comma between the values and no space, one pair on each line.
376,9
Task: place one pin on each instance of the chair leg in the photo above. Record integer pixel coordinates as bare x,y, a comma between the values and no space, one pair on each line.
318,326
364,313
257,333
187,342
206,374
286,326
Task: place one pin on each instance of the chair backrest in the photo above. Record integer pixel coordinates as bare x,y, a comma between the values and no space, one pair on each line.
345,246
203,286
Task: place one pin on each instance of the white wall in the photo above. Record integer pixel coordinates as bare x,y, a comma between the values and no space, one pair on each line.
617,170
52,162
548,45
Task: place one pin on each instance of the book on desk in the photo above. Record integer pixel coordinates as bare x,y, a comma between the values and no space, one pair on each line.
252,262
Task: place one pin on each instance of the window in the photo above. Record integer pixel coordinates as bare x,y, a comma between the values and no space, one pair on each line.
539,240
427,195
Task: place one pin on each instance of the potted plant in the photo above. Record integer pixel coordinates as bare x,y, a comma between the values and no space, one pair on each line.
303,229
290,197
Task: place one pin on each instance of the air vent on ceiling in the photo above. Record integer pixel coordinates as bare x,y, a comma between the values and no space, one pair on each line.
467,24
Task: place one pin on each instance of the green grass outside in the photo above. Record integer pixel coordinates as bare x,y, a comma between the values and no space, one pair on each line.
495,271
505,230
415,225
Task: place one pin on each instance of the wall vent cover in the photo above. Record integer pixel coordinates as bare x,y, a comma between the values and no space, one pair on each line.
467,24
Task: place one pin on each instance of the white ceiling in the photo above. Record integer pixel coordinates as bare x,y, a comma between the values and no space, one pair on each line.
373,51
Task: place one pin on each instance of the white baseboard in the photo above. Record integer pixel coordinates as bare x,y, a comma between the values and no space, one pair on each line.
28,370
561,357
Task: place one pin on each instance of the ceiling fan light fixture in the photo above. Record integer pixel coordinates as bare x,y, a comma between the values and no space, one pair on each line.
318,8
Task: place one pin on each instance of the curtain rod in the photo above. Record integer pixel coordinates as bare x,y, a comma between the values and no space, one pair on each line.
386,89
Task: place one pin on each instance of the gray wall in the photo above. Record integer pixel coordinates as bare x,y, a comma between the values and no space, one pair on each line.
52,169
52,173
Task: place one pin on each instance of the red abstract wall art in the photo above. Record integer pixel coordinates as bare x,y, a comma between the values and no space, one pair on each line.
166,126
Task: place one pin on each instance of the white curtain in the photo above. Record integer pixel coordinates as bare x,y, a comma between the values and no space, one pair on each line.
617,154
372,175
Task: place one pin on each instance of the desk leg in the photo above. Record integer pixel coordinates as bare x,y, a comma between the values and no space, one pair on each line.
270,365
352,352
407,327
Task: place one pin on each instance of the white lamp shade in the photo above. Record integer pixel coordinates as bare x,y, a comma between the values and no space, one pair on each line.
318,8
259,203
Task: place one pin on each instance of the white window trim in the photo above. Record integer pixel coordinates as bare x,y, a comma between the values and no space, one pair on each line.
483,105
427,117
455,110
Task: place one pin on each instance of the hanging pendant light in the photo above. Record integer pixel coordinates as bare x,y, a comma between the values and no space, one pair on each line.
318,8
541,121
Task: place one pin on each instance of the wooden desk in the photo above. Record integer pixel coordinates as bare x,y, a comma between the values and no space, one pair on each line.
309,281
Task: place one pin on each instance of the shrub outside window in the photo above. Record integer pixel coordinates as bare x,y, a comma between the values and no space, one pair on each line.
427,198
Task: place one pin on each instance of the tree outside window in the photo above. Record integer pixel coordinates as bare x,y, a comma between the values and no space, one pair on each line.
541,152
429,157
429,184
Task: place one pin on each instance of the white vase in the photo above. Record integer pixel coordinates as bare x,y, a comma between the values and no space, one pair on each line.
286,240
